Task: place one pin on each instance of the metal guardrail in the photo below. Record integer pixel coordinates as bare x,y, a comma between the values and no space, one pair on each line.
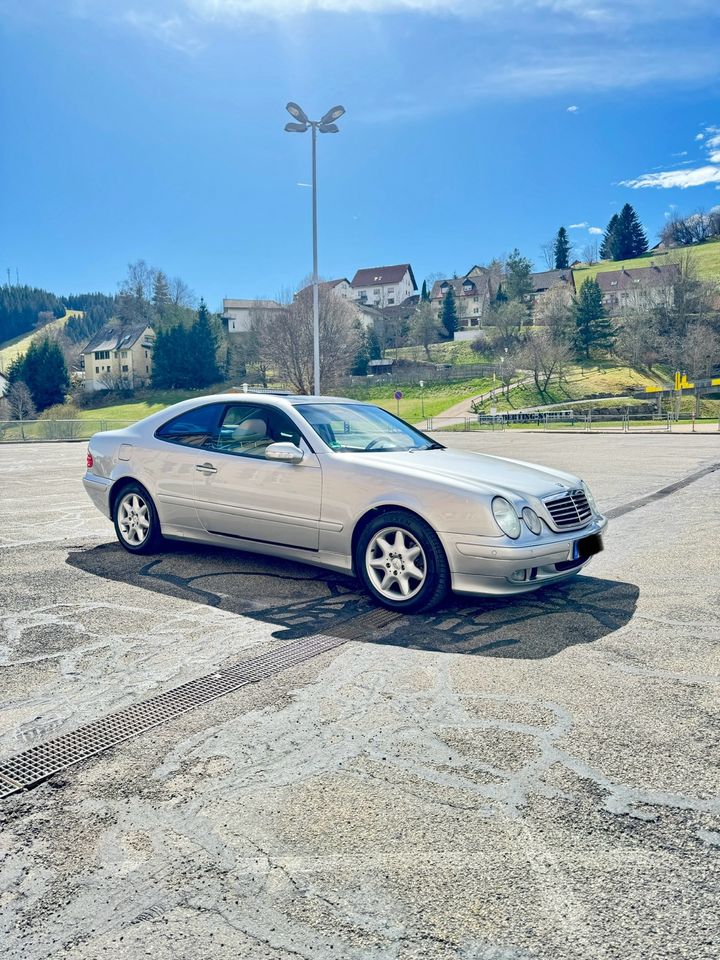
34,431
581,422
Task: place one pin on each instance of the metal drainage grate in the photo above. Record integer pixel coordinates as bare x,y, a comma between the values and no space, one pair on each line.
31,767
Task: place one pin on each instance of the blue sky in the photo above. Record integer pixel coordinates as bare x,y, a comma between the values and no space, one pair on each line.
154,129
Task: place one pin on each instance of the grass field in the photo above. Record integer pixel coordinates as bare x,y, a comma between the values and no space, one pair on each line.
450,351
417,404
581,382
706,257
13,348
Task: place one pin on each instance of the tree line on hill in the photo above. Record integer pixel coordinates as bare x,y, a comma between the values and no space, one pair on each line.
23,307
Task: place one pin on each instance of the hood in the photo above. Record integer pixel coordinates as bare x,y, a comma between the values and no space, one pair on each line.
491,475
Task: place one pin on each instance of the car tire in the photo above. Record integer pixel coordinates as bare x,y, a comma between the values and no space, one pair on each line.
137,525
401,562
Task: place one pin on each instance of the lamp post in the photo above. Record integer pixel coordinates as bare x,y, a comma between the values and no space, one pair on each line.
326,124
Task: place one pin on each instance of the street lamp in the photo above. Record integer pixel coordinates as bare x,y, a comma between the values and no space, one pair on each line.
326,124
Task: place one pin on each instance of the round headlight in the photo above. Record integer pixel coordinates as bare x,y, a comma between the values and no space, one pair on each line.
532,520
505,517
590,498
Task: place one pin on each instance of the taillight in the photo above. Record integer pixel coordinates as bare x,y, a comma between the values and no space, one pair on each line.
89,460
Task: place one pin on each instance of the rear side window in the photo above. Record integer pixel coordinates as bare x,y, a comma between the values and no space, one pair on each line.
194,428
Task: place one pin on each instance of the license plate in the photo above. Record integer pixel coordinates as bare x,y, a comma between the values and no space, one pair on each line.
587,547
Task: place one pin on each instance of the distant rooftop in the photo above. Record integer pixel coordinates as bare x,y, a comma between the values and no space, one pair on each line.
383,275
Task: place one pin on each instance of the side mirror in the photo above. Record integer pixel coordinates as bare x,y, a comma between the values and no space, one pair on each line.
287,452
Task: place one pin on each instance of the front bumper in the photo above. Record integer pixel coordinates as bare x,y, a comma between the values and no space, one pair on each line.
487,564
98,489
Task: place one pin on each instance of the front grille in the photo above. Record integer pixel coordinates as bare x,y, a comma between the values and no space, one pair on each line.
569,510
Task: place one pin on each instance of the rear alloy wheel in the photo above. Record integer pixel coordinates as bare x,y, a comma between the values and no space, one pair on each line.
136,521
402,562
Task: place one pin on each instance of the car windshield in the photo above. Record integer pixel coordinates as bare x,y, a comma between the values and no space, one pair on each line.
356,427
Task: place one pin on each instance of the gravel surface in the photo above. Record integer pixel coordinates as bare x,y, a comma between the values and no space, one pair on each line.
502,780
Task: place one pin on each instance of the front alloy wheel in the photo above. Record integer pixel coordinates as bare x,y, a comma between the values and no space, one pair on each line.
395,563
136,522
402,563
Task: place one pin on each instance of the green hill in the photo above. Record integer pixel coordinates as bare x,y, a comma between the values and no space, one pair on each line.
13,348
706,256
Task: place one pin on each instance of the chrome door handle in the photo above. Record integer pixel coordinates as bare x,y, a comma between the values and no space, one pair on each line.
205,468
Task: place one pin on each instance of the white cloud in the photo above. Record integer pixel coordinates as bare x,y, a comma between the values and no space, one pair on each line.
682,153
578,226
675,178
683,179
600,12
595,230
573,109
301,184
171,30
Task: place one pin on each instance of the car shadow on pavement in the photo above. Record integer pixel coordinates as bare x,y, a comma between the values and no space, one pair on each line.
302,600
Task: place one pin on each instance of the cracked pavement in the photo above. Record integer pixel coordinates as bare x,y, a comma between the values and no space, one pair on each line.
505,779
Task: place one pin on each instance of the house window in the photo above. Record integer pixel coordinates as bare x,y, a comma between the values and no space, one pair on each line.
476,310
123,354
125,368
102,354
391,289
476,299
146,354
391,300
147,369
97,369
376,291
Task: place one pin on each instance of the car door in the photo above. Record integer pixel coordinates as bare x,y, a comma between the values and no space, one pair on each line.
239,493
170,464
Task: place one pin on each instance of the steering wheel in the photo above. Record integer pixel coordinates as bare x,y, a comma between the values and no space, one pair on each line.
382,438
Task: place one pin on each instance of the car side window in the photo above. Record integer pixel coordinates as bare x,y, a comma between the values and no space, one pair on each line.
247,430
194,428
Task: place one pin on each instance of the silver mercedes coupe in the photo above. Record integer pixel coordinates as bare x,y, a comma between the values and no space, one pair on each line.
343,485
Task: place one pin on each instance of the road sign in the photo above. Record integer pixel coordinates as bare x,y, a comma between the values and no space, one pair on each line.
398,395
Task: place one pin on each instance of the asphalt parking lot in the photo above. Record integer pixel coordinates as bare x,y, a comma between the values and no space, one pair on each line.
509,779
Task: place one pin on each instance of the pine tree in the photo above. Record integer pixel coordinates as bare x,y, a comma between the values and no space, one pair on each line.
202,344
424,295
592,328
518,279
609,241
44,371
632,233
448,312
161,291
562,250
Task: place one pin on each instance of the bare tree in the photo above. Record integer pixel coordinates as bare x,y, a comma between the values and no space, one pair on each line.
701,350
139,281
590,253
424,328
637,336
547,249
508,319
286,340
180,294
553,311
545,356
20,403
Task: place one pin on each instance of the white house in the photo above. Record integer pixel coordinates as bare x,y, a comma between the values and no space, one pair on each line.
384,286
238,313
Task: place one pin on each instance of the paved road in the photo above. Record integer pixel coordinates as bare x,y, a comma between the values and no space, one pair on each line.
503,780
